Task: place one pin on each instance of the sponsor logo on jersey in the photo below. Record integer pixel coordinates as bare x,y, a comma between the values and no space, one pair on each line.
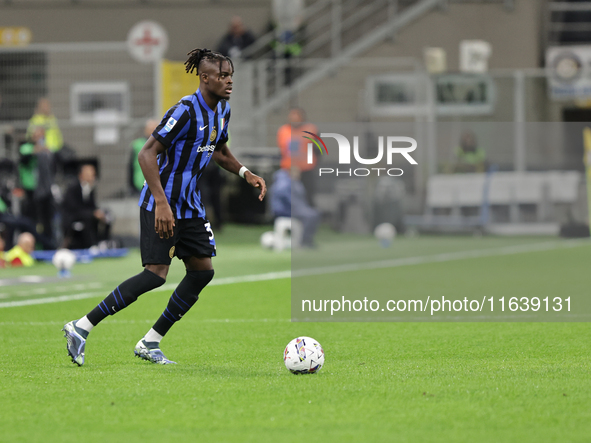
170,124
208,148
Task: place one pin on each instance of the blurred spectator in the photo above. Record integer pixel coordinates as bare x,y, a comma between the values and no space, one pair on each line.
136,176
288,16
469,157
84,224
43,117
294,150
288,199
36,171
236,39
10,223
20,255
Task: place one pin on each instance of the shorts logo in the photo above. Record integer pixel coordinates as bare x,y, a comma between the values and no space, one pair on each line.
170,124
213,134
171,252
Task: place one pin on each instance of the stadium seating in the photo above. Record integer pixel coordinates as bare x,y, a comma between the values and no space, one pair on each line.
448,197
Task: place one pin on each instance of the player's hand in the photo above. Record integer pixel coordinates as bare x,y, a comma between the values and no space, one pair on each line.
164,220
257,182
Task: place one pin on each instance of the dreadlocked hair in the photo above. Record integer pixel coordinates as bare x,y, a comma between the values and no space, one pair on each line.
196,56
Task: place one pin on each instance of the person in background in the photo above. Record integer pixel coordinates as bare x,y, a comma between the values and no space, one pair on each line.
294,150
43,117
20,255
288,16
288,199
236,39
13,223
36,172
81,216
136,176
469,156
27,170
288,20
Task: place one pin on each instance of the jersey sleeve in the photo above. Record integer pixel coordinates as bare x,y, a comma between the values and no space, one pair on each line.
226,123
174,126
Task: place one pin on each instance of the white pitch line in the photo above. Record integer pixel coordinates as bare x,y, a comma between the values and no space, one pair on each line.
42,301
437,258
511,317
238,279
129,322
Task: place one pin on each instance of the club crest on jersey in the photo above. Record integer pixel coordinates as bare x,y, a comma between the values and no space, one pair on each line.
213,134
171,252
170,124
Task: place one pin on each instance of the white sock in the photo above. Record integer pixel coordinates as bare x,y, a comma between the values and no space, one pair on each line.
85,324
152,336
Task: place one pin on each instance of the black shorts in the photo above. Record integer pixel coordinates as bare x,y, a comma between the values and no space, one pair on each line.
192,237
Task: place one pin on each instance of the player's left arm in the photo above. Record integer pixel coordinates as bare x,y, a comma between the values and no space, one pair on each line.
223,157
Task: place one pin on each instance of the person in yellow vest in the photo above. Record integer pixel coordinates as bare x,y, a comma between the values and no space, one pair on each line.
469,156
43,117
20,255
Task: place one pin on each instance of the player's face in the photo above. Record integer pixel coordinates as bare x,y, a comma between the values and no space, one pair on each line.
220,83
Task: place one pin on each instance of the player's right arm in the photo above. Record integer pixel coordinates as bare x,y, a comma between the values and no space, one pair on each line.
148,159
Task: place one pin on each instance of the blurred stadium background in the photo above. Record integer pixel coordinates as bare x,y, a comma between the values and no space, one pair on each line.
491,68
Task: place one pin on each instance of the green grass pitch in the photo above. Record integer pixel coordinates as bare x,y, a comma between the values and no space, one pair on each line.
382,382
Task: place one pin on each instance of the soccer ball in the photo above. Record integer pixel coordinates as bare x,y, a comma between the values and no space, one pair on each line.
268,240
303,355
385,233
64,260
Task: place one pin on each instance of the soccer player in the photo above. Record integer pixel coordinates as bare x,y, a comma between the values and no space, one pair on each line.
173,222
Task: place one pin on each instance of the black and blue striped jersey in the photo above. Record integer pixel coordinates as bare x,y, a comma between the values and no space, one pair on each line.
190,131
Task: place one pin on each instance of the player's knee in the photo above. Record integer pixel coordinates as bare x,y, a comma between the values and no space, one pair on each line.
160,270
210,275
201,278
198,280
198,264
